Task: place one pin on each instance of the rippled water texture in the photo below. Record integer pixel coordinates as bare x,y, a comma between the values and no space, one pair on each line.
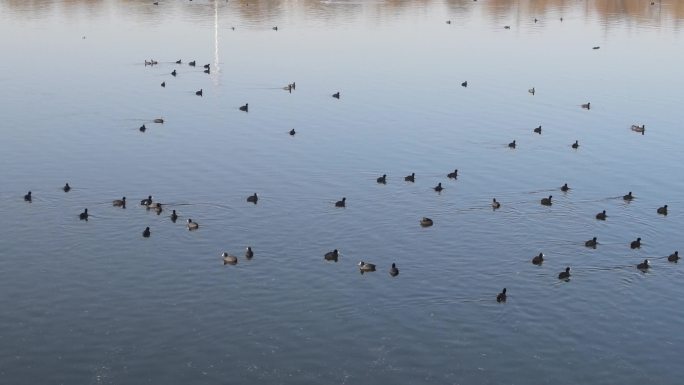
96,303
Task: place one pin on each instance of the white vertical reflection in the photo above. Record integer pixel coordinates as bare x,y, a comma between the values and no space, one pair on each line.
216,68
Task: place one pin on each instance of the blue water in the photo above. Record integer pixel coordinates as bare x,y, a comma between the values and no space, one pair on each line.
96,303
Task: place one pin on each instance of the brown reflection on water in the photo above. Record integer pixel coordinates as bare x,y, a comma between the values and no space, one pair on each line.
613,9
263,10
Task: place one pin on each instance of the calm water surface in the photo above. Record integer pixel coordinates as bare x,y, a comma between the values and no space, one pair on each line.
95,303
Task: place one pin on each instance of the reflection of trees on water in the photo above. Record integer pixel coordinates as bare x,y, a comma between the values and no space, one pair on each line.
260,11
44,8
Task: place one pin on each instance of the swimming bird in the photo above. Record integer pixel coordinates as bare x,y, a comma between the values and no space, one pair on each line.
537,130
464,84
640,129
635,244
275,28
501,297
173,72
245,107
366,267
595,47
575,145
66,188
495,204
178,61
565,188
662,210
147,201
591,243
547,201
643,265
674,257
207,71
394,271
601,216
192,225
142,128
538,260
410,178
628,197
156,3
174,216
192,63
84,215
586,106
531,90
163,84
28,197
511,144
292,132
564,274
199,93
146,232
119,202
331,255
249,253
507,27
341,203
336,95
448,21
439,187
253,198
156,206
207,66
382,179
453,175
426,222
229,259
159,120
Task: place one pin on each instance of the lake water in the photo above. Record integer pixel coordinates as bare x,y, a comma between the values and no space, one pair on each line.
96,303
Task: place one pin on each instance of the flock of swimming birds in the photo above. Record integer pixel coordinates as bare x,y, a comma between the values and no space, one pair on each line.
228,259
207,69
364,267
